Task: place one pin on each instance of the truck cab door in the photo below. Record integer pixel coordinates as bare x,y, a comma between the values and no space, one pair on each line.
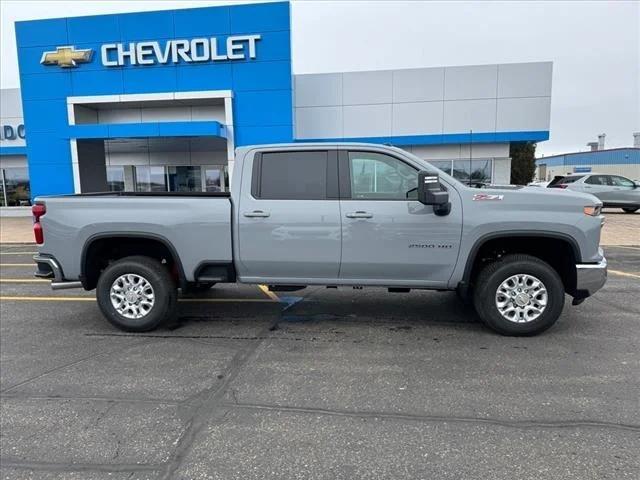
288,217
388,237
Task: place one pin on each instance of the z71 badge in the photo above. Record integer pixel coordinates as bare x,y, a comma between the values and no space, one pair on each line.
485,196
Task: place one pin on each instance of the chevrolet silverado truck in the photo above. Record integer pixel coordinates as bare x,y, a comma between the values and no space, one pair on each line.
328,214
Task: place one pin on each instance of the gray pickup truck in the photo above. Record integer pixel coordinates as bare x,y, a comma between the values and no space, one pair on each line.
334,215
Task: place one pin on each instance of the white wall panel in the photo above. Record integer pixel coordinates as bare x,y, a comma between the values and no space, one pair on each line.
525,79
10,103
418,85
208,112
417,118
362,88
470,82
522,114
457,151
166,114
119,115
318,90
367,120
484,98
319,122
464,115
13,161
501,171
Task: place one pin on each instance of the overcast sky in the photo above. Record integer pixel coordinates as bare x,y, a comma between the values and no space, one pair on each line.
595,47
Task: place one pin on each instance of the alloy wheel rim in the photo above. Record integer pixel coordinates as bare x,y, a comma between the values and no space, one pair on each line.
521,298
132,296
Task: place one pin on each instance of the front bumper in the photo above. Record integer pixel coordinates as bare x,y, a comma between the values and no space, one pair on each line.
48,267
590,277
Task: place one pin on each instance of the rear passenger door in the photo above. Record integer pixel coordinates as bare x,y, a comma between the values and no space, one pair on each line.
289,217
597,185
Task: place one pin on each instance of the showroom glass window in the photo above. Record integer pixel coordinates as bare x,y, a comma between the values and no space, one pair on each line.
184,179
213,179
474,171
150,179
444,165
115,179
15,187
376,176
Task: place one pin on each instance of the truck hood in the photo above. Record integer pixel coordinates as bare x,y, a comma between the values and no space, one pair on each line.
543,196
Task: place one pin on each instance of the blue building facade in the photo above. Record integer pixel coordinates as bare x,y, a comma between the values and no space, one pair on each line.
159,101
614,161
261,86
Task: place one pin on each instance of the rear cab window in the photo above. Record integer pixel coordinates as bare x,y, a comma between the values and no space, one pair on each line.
295,175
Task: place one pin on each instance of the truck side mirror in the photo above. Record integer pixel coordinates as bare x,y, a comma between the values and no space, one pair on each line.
430,192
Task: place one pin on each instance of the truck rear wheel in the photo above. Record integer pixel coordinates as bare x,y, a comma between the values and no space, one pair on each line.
519,295
136,294
630,209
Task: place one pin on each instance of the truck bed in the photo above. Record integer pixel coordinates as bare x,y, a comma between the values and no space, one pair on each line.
198,225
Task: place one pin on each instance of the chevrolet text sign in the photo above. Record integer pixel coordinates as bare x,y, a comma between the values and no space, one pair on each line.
239,47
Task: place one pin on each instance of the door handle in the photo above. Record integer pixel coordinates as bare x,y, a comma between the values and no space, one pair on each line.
359,214
256,214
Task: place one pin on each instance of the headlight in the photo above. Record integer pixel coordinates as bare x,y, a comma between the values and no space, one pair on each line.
592,211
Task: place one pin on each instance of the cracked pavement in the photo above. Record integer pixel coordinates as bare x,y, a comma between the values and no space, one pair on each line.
342,384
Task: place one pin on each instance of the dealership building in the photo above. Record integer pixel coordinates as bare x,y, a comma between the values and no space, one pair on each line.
158,101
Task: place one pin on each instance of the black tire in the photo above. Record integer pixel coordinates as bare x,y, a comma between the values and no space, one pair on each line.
492,276
164,292
630,209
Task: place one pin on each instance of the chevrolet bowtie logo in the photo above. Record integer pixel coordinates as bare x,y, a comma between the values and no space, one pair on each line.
66,57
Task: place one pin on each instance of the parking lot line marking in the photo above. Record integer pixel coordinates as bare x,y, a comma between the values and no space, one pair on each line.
269,293
92,299
17,264
47,299
624,274
18,253
23,280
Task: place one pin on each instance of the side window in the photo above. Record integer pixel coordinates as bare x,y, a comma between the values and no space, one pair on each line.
292,176
621,181
375,176
597,180
569,179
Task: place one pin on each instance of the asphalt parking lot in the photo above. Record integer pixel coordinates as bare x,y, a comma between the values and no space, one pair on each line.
319,384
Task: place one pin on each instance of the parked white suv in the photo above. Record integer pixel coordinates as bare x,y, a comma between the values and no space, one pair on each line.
614,191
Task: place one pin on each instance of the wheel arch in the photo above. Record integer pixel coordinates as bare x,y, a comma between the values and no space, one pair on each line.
88,275
534,243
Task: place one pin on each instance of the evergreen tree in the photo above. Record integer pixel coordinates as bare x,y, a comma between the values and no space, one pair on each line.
523,162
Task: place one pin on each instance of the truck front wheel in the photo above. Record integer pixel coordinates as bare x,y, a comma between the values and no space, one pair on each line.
519,295
136,294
